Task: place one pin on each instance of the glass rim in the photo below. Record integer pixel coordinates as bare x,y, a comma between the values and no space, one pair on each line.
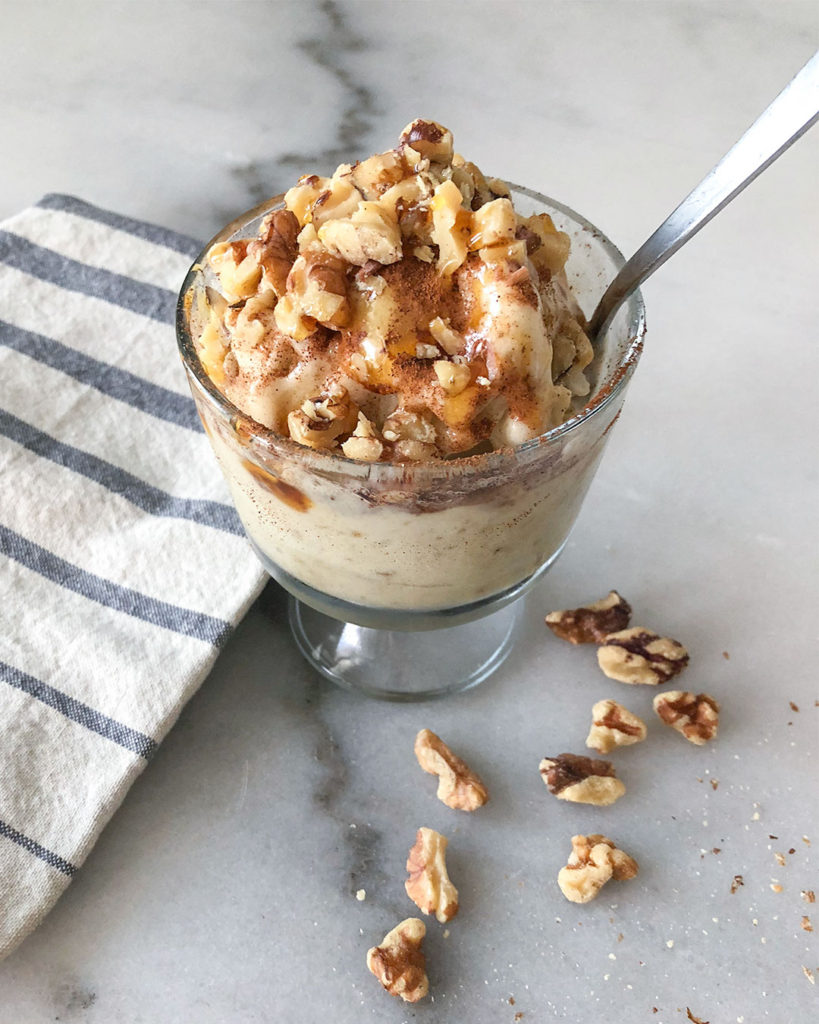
331,460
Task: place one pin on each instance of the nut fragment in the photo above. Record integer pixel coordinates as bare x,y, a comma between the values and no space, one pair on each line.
320,421
458,786
614,726
317,285
371,233
276,248
399,962
426,140
363,443
593,623
450,226
695,716
593,861
428,885
639,655
582,780
453,377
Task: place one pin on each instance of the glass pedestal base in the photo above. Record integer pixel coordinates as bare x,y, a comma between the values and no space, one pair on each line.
401,665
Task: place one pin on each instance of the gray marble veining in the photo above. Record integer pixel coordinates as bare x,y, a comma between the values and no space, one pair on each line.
224,889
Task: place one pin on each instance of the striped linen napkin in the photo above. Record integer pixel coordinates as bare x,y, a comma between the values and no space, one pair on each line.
123,566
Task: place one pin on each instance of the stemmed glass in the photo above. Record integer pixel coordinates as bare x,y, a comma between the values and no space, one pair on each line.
405,579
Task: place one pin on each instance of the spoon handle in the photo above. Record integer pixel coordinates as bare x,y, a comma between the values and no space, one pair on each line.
790,115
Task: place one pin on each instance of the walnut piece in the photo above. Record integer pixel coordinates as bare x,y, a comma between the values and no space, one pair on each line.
320,421
276,248
695,716
317,288
591,624
399,962
458,786
426,140
593,861
614,726
639,655
371,233
582,780
453,377
363,443
428,885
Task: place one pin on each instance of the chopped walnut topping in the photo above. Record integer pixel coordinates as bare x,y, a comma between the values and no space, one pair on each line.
614,726
450,341
450,227
363,443
639,655
593,861
808,895
239,274
458,786
320,421
399,962
453,377
695,716
426,140
806,924
581,780
592,624
317,286
370,233
276,248
411,433
428,885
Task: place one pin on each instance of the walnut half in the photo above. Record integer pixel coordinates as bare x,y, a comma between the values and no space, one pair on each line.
614,726
581,779
399,962
458,786
639,655
428,885
591,624
593,861
695,716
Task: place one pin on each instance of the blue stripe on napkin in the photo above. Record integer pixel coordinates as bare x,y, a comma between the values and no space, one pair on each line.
110,380
145,496
131,739
122,599
48,265
51,858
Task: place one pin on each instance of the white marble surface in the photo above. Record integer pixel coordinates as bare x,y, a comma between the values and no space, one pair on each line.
223,890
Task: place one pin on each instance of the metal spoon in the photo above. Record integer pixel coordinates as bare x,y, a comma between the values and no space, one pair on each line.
790,115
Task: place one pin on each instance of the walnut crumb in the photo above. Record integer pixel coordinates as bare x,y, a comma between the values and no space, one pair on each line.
399,962
458,786
614,726
594,860
806,925
640,655
581,780
808,895
591,624
694,716
428,885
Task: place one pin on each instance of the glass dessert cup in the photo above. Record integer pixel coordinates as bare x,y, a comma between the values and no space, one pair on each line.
405,578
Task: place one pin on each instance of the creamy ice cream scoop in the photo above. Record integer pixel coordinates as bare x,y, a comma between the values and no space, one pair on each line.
397,311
